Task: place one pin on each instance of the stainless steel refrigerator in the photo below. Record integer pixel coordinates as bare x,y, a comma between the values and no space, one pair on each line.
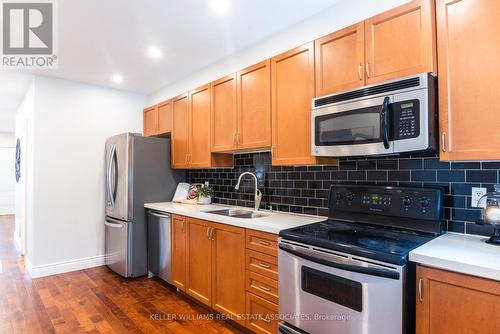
137,172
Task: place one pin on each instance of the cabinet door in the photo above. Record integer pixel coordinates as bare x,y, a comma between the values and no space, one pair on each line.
292,91
340,59
199,115
150,121
199,260
468,51
228,271
401,42
224,120
180,132
165,117
254,106
456,303
179,252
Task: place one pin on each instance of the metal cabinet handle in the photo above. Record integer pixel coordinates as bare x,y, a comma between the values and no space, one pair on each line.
264,243
234,138
367,68
265,319
183,228
212,235
443,141
209,231
238,138
420,289
265,288
264,265
360,71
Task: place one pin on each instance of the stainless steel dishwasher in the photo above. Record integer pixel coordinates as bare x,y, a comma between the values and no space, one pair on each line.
159,250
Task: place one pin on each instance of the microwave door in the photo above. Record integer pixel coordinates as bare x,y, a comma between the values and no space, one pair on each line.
353,129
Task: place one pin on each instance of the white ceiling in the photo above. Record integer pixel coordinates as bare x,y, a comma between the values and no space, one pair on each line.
98,39
13,87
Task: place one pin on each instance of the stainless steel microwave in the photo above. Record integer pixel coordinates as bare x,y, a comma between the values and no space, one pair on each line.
391,117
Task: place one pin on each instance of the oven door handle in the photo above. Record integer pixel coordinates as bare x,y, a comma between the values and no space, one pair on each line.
332,263
385,122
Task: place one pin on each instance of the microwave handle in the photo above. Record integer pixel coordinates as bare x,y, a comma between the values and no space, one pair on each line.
385,122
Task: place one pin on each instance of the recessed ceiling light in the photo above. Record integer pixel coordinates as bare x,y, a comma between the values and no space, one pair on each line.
117,78
220,7
154,52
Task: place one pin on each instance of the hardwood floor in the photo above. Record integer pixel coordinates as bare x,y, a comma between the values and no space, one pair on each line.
92,301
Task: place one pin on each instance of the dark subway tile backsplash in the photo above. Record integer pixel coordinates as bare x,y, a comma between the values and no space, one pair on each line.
304,189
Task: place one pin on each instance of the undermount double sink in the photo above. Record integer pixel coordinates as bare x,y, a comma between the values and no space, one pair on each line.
238,213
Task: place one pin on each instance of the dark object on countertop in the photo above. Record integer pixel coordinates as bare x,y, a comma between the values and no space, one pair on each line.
495,238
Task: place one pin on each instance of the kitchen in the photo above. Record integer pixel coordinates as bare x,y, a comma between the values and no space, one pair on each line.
340,176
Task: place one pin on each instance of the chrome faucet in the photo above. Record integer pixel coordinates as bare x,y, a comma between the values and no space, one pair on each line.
258,194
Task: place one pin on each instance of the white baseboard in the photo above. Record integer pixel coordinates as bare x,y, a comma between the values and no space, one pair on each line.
63,266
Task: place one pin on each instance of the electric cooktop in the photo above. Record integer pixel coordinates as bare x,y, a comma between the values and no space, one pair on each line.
380,223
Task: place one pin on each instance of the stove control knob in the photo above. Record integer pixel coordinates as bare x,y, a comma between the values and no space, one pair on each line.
407,201
338,196
350,197
424,202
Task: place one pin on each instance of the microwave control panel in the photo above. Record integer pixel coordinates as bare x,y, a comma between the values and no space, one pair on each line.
406,119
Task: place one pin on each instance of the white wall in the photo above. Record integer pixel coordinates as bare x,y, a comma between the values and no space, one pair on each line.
7,155
71,124
341,15
24,188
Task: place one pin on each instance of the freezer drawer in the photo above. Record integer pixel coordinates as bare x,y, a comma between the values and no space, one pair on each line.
159,248
117,246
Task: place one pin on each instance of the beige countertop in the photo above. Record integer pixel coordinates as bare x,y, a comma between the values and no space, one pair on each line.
462,253
273,222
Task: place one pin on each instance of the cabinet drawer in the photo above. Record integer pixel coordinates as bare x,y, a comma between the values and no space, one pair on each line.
262,315
262,242
262,286
263,264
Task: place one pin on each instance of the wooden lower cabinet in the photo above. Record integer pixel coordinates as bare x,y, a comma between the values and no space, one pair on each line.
228,271
262,315
212,263
179,239
199,260
456,303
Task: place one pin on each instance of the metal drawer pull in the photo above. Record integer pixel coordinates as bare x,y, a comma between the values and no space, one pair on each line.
360,71
264,265
209,233
265,319
264,243
368,69
420,289
265,288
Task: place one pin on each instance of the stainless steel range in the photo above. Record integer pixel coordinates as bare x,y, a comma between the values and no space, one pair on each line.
350,274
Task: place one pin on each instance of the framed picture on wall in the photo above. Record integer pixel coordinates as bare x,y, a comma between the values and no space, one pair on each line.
18,160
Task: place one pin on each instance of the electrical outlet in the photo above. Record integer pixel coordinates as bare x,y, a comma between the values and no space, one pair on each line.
476,194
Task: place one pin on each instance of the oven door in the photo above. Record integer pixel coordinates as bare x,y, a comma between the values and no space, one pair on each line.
324,292
354,128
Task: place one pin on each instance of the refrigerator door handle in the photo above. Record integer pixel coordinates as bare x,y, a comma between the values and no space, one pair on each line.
115,175
110,166
115,225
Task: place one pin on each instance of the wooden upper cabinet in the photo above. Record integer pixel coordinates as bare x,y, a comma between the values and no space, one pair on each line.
224,114
292,92
180,131
401,42
199,260
165,117
228,271
468,70
456,303
150,121
340,59
254,106
199,110
179,233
